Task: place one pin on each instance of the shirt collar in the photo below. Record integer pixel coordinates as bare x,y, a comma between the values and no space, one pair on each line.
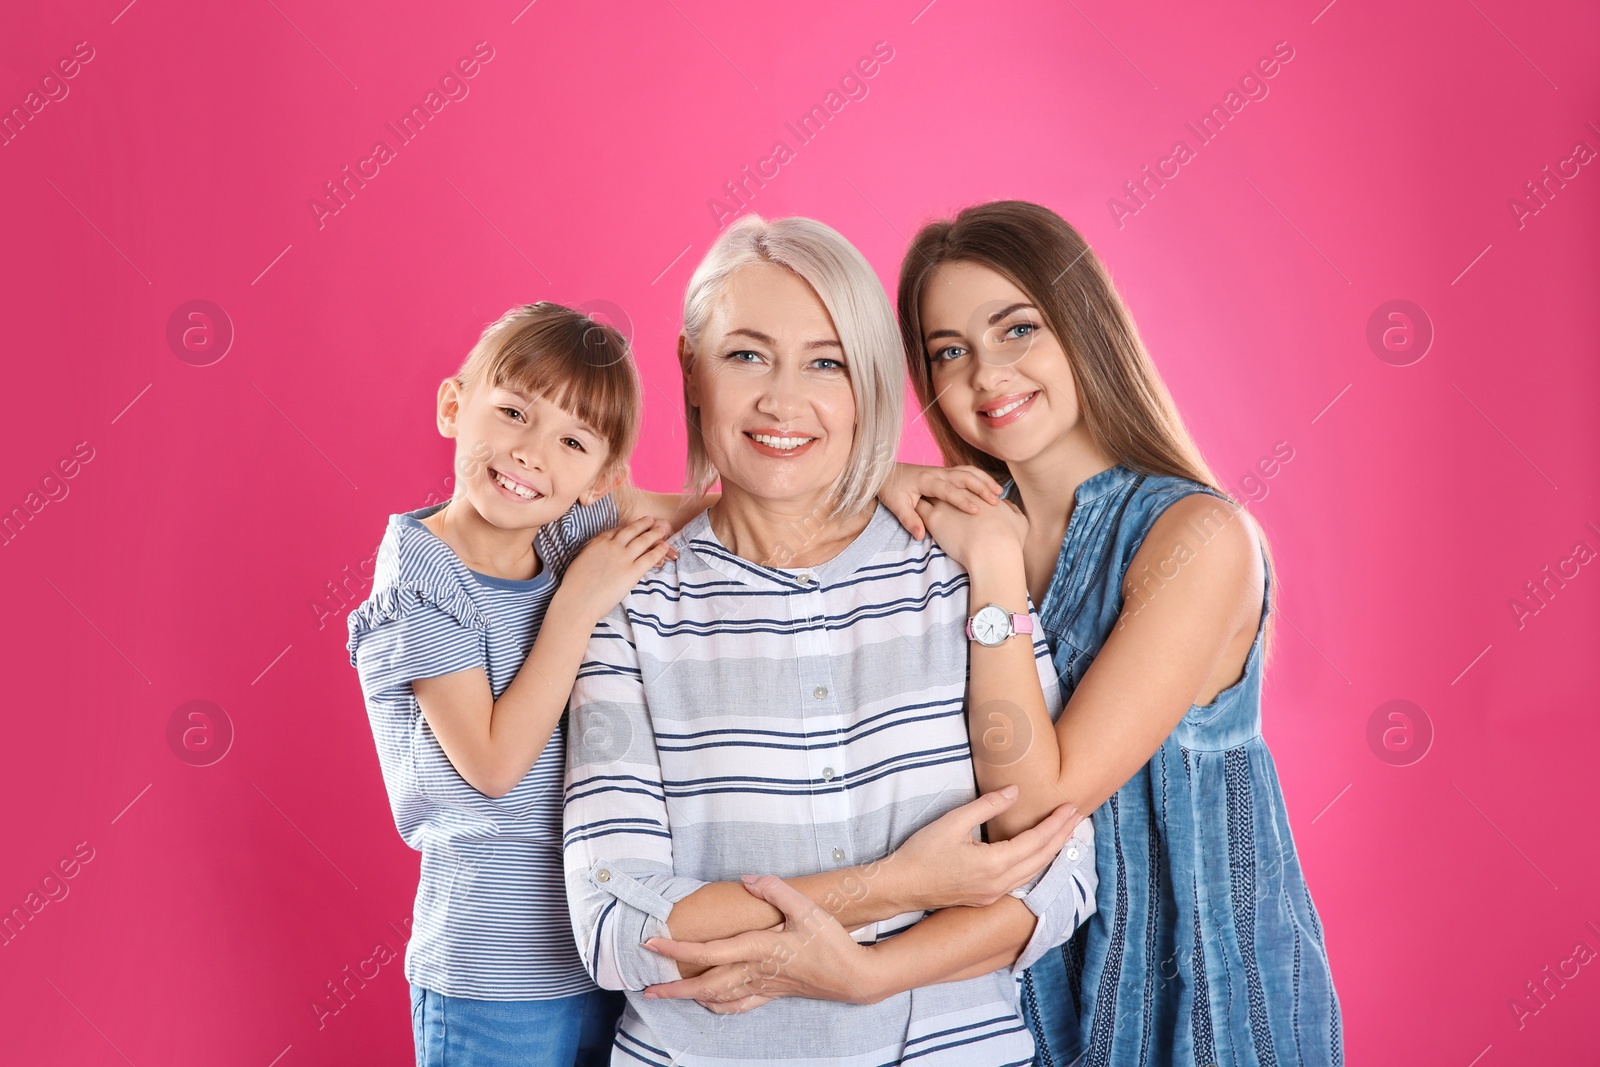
698,535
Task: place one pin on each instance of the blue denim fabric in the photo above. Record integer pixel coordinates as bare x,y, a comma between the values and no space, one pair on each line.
574,1031
1205,948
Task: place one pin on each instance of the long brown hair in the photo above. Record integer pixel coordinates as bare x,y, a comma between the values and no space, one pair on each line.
1123,402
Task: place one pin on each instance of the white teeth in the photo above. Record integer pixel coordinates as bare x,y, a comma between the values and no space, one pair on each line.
1009,408
521,490
782,443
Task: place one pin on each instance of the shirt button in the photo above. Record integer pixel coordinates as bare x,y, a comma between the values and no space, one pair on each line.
1072,852
827,774
603,875
838,855
807,579
820,692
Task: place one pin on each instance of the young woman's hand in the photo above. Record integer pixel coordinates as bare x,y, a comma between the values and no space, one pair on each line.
942,866
611,564
807,955
969,536
964,487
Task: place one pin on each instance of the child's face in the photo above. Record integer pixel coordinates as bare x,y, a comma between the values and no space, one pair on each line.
520,462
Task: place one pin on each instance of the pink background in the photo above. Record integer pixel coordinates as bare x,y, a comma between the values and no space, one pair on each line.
211,547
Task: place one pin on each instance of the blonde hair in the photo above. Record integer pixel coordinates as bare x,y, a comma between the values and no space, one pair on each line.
860,310
552,351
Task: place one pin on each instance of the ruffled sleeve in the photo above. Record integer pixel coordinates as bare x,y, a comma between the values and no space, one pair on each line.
415,628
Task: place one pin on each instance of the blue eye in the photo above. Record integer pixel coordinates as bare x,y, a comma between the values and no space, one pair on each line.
832,364
1028,327
743,352
945,355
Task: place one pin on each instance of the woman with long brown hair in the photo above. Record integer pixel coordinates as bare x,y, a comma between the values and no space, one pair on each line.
1154,589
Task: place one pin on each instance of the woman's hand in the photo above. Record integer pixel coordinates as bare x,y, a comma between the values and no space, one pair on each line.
908,483
970,536
611,564
807,955
942,866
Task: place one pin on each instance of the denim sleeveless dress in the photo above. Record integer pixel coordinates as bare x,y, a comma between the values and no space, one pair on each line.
1205,947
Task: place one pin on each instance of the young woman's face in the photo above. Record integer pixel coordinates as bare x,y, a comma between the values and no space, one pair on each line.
1000,375
520,461
769,376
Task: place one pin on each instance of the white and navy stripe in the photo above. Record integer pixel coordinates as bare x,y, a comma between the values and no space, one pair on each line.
732,718
490,920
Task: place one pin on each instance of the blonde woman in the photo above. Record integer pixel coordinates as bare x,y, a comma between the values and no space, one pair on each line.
787,700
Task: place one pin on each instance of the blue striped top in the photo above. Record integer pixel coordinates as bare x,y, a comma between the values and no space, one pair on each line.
733,718
490,920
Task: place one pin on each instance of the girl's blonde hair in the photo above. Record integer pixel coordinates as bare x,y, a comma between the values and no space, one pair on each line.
860,310
565,356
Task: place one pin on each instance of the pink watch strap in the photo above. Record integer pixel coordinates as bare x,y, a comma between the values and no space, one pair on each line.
1022,624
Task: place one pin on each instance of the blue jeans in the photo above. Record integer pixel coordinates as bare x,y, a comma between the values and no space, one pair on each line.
572,1031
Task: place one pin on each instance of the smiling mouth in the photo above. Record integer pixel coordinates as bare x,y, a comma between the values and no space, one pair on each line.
782,444
1002,412
515,487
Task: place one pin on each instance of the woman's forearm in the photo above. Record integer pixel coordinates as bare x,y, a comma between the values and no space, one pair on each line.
1013,739
855,896
950,945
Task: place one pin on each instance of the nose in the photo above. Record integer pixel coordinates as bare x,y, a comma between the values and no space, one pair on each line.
782,394
991,367
529,453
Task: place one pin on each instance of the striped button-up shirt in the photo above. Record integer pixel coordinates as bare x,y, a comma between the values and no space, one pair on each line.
734,718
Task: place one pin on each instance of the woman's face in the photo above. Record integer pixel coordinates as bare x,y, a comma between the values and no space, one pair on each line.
1001,376
769,376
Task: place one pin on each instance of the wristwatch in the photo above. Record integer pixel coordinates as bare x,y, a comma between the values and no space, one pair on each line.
993,624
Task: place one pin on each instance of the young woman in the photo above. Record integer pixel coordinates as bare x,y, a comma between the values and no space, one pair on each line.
1154,592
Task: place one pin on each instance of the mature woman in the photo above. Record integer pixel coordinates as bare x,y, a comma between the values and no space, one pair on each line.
789,698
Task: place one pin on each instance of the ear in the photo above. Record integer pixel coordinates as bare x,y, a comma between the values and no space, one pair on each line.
449,406
691,388
605,482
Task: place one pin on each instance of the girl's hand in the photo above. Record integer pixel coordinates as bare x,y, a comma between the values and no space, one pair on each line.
808,955
611,564
942,866
965,487
969,535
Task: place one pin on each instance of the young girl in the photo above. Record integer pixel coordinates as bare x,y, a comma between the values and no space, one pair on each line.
467,716
467,650
1154,590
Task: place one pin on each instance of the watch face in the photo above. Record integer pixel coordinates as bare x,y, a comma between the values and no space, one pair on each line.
991,626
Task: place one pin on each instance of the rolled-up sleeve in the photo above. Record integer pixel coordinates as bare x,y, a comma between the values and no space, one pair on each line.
617,841
1063,899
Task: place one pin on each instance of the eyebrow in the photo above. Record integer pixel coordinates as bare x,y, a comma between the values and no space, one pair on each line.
528,403
766,340
996,317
